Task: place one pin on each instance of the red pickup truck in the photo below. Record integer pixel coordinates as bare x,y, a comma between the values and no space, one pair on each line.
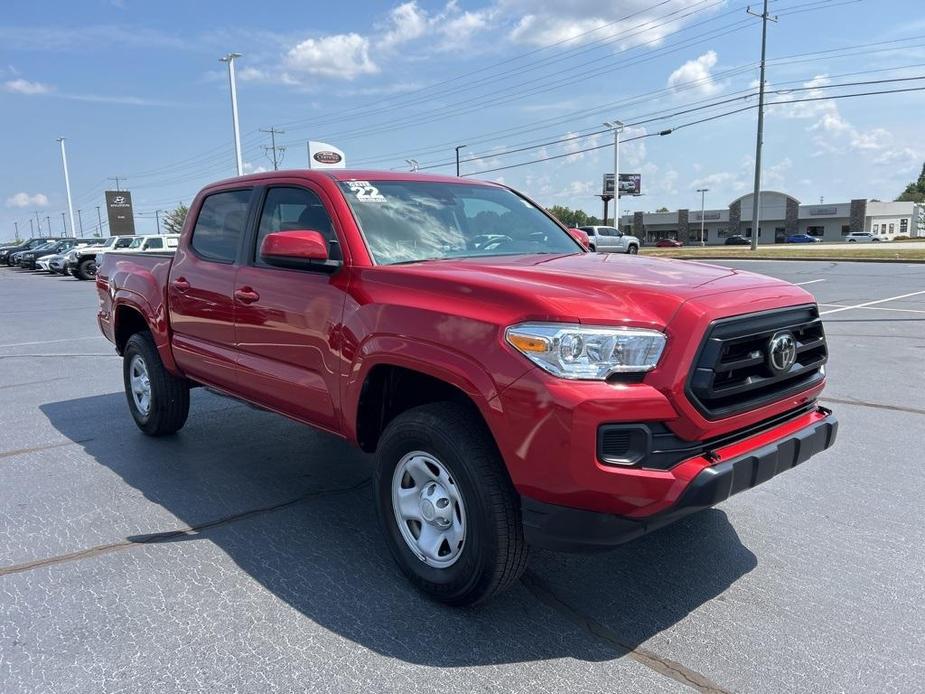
516,389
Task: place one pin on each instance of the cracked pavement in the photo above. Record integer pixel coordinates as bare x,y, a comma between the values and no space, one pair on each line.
243,554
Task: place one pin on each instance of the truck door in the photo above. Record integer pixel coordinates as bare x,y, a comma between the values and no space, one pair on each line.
288,320
200,289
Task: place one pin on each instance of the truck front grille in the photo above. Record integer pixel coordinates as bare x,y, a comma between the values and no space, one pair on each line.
733,372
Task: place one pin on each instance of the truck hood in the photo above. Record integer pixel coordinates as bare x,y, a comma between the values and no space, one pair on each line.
592,288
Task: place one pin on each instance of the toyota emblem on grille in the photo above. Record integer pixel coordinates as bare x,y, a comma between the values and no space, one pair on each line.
782,352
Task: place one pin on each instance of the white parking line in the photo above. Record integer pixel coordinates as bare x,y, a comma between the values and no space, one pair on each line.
871,303
49,342
878,308
800,284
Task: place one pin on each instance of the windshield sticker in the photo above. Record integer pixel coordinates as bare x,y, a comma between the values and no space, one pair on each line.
365,192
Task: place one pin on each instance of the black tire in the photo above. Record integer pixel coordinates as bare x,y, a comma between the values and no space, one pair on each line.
494,553
633,249
169,395
592,248
86,270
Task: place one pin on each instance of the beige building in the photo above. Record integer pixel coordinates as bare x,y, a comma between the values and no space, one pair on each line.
780,215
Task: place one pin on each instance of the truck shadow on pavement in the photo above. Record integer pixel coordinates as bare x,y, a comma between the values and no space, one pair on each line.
292,507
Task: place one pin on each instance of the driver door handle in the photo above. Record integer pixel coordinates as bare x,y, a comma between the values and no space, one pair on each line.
180,284
246,295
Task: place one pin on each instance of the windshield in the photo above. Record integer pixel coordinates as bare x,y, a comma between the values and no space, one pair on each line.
410,221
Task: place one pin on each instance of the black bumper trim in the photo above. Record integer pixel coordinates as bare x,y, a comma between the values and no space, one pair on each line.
566,529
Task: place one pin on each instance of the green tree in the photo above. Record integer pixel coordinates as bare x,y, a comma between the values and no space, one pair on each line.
662,209
572,218
173,221
914,192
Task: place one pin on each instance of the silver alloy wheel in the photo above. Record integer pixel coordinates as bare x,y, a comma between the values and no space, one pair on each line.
140,383
429,509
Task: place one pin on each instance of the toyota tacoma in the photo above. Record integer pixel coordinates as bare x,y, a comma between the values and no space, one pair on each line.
516,389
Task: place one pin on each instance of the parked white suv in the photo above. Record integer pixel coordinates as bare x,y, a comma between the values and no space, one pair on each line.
861,237
610,240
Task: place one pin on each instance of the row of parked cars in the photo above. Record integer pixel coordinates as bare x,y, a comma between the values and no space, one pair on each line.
78,257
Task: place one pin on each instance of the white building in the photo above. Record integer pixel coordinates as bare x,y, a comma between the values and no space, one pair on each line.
780,215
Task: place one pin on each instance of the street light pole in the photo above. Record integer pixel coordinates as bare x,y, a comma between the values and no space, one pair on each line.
230,58
702,191
617,127
80,222
459,147
99,221
67,186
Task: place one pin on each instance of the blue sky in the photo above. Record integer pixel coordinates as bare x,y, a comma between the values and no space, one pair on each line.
137,90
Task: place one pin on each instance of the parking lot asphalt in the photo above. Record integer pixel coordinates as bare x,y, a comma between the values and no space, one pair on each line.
243,554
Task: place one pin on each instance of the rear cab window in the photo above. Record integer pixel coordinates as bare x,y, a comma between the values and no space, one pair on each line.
220,225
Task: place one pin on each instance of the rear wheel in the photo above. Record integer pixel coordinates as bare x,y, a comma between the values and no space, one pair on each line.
86,270
158,400
450,514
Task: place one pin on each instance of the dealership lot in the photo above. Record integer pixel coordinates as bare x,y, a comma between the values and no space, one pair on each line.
243,554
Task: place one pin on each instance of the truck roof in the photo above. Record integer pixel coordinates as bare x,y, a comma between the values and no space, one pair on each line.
350,175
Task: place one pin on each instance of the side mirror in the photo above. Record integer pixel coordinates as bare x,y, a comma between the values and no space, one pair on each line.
294,249
581,237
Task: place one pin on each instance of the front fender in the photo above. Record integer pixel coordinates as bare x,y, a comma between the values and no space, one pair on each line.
435,360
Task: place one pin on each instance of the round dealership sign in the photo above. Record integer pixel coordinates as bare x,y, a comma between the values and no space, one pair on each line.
325,157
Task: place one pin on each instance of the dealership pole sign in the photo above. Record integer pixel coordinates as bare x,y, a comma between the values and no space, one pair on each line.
630,184
324,156
119,212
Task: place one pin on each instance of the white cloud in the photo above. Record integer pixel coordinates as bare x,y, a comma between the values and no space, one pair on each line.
696,74
344,56
833,134
628,23
250,168
406,23
26,200
23,86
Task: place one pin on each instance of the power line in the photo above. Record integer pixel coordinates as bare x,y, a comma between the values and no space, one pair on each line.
273,147
671,130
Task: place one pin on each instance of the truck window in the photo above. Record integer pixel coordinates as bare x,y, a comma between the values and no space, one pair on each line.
220,225
294,209
155,243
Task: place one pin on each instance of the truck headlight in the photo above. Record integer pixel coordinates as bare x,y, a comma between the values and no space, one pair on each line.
587,352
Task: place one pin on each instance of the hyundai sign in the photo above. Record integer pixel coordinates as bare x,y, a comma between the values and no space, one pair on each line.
119,212
630,184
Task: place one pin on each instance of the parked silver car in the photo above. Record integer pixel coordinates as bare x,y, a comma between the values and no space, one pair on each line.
610,240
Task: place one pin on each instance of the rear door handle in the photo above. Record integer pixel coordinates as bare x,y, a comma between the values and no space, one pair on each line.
246,295
180,284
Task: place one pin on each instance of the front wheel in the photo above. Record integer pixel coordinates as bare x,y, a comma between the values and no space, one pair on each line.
449,511
158,400
633,250
87,269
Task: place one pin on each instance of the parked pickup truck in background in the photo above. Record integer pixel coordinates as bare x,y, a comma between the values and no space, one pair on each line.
610,240
516,389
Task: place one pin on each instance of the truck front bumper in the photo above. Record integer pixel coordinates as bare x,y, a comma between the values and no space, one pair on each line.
564,528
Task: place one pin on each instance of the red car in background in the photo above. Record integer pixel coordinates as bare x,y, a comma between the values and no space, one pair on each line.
668,243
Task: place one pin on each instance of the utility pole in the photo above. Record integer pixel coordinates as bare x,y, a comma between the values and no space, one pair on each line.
703,192
64,224
80,222
157,220
458,147
273,148
230,58
99,221
117,179
414,164
617,128
48,224
16,227
38,223
31,229
758,140
67,187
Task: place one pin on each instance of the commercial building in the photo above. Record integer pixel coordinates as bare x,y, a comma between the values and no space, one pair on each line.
780,215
